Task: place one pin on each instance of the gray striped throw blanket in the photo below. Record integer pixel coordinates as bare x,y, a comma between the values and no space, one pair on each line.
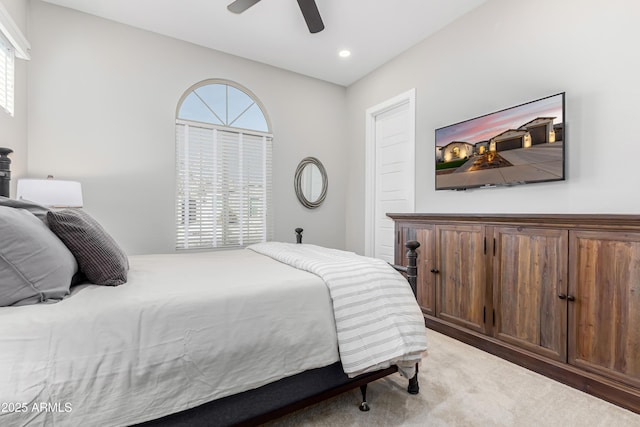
378,320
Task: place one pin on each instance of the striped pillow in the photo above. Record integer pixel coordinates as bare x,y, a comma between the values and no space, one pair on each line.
99,257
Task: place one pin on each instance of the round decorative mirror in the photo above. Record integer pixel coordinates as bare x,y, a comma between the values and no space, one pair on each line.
310,182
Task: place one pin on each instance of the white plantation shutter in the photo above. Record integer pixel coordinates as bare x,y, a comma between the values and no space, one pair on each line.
7,61
223,186
12,44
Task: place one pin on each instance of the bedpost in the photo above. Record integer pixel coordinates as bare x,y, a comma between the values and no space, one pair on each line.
299,234
412,277
364,406
411,270
412,265
5,171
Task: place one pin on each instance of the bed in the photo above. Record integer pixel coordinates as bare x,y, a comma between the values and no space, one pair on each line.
218,338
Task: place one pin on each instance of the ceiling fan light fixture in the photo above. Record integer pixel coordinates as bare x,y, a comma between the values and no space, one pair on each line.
344,53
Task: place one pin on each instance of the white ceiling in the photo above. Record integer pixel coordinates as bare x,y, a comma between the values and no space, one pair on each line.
274,31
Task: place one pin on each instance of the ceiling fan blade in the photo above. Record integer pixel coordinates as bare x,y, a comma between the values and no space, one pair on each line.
240,6
311,15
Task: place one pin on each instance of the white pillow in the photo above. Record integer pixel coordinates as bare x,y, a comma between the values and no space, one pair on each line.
35,266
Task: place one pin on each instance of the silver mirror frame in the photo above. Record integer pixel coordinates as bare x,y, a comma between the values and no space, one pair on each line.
297,182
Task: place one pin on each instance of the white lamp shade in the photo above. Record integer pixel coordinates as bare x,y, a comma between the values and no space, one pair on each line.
50,192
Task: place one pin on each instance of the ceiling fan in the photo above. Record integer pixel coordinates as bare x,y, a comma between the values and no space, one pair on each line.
307,7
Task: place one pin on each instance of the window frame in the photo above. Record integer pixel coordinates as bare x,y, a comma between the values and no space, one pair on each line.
247,228
7,75
233,84
17,47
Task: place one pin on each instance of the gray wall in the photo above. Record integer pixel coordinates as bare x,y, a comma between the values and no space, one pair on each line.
13,130
102,99
505,53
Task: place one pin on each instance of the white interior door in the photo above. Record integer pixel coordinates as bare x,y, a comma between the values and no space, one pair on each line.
390,171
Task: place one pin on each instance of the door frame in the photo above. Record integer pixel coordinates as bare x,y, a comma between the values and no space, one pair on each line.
371,114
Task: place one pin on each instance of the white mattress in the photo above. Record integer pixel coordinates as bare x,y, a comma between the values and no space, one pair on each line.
185,329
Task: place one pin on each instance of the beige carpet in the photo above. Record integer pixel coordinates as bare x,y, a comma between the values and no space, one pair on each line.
463,386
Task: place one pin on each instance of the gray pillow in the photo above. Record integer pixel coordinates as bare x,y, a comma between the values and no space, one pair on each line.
35,266
99,257
39,211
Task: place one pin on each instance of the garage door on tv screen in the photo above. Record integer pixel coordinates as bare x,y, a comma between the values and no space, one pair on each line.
518,145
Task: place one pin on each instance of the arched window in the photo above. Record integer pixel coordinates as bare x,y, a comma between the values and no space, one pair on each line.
223,168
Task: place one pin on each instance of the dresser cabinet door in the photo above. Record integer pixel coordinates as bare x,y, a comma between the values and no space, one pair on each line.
426,262
530,289
425,235
604,318
461,277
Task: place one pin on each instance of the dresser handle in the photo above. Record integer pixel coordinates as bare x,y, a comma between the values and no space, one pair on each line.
435,271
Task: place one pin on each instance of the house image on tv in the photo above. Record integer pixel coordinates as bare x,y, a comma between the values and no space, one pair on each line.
538,131
558,128
456,150
481,147
510,139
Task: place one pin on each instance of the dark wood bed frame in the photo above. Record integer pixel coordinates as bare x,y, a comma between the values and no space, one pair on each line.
271,401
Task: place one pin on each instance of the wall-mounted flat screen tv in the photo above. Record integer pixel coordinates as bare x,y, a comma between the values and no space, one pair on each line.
518,145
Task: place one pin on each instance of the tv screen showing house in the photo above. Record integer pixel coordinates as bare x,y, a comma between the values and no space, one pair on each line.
518,145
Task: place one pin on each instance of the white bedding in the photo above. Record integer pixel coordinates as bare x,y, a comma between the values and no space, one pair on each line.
378,320
185,329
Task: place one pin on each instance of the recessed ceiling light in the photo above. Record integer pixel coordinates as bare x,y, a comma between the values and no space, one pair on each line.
344,53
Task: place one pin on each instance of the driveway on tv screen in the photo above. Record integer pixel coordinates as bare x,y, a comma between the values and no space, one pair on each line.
534,164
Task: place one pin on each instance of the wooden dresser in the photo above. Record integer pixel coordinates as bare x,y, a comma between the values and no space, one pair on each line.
558,294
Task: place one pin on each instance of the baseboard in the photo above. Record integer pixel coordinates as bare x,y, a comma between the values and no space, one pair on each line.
596,385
